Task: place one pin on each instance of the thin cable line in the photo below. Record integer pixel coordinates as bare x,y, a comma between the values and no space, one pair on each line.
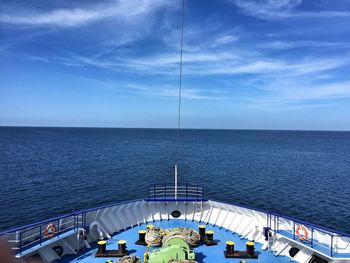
180,80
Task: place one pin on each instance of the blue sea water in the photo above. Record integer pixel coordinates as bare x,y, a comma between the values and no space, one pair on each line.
45,172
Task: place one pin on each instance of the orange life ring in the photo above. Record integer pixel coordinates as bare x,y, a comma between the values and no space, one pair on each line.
50,231
302,236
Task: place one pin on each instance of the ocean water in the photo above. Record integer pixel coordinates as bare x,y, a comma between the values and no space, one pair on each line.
45,172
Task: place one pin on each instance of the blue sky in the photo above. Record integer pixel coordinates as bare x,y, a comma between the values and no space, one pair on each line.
251,64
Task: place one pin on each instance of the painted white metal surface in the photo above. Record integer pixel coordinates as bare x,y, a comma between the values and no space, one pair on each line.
246,222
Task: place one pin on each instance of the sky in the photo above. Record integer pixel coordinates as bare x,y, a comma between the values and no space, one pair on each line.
248,64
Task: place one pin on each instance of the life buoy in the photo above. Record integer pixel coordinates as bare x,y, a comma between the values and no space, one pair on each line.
50,231
82,234
304,235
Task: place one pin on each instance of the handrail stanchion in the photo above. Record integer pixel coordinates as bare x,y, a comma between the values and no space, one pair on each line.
294,230
332,246
312,237
58,228
84,216
40,237
20,243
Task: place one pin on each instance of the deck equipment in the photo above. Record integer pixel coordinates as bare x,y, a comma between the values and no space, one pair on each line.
175,248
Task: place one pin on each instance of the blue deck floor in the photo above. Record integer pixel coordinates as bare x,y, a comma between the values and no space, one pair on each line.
203,253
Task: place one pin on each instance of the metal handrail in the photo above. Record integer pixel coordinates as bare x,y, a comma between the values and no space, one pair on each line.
167,192
75,223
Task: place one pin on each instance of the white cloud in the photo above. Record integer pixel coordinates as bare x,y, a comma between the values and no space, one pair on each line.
301,44
122,9
279,9
319,91
224,40
208,63
159,90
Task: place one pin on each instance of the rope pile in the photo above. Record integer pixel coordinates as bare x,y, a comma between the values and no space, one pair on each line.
154,236
188,234
158,236
130,259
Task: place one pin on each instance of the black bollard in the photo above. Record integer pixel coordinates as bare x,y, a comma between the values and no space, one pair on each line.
210,235
142,238
201,231
101,247
122,247
230,247
250,248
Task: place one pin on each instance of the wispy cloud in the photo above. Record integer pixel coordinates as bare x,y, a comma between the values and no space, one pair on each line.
160,90
224,40
125,10
206,63
171,91
318,91
279,9
288,93
301,44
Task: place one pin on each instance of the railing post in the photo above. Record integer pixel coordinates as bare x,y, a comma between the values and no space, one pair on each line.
154,191
58,228
332,246
186,191
312,237
40,237
20,243
294,230
84,216
175,181
165,191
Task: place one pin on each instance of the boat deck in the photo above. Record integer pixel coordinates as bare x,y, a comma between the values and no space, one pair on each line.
203,253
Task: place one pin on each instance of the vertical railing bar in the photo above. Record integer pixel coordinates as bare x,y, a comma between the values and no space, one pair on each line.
85,224
186,191
332,246
58,228
312,237
40,237
294,230
20,243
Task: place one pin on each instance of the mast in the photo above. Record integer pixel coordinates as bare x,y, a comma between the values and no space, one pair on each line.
180,93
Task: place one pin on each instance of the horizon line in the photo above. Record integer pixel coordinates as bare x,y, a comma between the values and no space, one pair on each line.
164,128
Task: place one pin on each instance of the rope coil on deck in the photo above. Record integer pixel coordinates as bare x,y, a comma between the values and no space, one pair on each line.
188,234
130,259
154,236
158,236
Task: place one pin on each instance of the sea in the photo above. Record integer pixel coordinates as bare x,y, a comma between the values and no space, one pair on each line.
46,172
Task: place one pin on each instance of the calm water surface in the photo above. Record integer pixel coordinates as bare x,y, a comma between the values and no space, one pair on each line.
45,172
